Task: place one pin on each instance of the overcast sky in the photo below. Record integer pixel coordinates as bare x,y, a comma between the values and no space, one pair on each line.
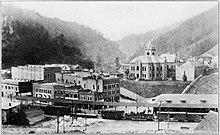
118,19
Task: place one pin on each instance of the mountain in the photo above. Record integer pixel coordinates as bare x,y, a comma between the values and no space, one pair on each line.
81,43
133,42
191,38
211,52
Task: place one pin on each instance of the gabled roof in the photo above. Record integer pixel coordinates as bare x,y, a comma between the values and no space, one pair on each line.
170,57
147,59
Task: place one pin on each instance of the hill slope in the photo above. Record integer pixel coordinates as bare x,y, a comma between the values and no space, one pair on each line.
149,89
131,43
89,43
207,84
191,38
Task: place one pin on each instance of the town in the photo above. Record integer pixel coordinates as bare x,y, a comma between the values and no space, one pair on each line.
63,89
109,67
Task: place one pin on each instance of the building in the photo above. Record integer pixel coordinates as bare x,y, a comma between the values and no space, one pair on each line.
67,68
117,74
148,66
35,72
10,88
192,69
86,95
108,86
8,109
32,115
201,103
172,61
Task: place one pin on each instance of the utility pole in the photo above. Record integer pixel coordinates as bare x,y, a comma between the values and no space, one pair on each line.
168,124
58,122
85,121
63,125
158,120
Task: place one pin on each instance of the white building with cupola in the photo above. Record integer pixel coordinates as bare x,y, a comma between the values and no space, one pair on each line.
150,66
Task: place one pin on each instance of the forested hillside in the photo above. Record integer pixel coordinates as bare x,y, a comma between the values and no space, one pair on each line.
29,38
191,38
131,43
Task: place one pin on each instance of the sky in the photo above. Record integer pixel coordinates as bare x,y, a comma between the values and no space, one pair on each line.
119,19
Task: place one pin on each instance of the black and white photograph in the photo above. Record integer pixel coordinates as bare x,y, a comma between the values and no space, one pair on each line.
108,67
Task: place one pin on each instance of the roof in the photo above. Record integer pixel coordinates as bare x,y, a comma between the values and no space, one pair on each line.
191,100
170,57
147,59
12,81
6,101
33,111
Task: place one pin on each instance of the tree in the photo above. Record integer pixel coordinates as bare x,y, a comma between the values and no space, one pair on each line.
117,63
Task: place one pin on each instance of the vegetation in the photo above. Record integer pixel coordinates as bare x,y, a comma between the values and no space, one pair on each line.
149,89
191,38
54,40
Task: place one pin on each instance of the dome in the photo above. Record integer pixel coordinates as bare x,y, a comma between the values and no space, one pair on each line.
147,59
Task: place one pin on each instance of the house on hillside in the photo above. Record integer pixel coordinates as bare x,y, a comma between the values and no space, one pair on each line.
192,69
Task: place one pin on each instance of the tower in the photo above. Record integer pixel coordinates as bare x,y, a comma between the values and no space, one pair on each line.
150,50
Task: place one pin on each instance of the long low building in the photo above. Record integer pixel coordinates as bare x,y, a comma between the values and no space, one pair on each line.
201,103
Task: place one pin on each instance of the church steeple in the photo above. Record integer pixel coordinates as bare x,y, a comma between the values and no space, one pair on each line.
150,50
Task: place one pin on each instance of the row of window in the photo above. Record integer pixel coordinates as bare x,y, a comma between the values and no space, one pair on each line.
71,95
145,68
111,86
43,91
89,98
10,87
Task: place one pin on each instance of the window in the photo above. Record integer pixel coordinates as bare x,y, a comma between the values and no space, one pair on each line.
61,92
117,85
105,87
36,90
91,98
152,53
55,92
168,100
148,53
75,96
183,100
203,100
36,95
9,87
97,87
67,95
2,94
79,82
84,85
93,86
137,68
